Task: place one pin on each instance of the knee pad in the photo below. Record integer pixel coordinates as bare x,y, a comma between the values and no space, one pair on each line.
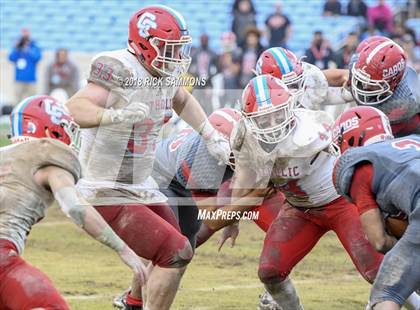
176,252
270,274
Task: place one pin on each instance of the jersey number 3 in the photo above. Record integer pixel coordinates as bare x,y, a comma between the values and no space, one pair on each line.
406,144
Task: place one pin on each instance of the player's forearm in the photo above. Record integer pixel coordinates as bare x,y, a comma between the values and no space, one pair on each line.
85,112
374,228
338,95
336,77
85,216
189,109
237,207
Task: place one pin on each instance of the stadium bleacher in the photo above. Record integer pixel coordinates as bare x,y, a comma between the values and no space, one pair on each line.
95,25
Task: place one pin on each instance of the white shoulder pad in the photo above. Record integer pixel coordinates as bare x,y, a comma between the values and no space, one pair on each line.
313,130
316,87
109,71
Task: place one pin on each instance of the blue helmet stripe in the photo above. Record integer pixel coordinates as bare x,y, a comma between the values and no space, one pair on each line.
262,92
279,62
180,19
266,91
289,64
282,60
17,120
257,91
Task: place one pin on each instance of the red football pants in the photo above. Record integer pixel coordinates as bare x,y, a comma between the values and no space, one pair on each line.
151,231
24,287
295,232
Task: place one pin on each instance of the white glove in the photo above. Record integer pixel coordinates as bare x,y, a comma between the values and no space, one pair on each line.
217,145
141,272
133,113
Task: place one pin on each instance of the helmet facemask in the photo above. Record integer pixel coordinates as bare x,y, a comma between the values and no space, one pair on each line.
274,124
173,56
73,131
367,91
296,85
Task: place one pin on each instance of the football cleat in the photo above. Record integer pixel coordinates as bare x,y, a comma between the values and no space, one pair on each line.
267,302
120,302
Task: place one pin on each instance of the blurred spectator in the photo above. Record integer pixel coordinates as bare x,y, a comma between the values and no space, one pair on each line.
380,17
203,65
357,8
62,73
370,32
411,50
278,27
250,53
320,53
342,56
243,17
401,30
25,55
203,62
332,7
230,66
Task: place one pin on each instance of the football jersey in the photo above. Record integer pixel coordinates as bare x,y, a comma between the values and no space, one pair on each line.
299,166
396,179
22,200
118,158
184,157
404,102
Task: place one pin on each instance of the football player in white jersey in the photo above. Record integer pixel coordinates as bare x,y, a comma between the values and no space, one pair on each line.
276,145
123,108
313,87
37,167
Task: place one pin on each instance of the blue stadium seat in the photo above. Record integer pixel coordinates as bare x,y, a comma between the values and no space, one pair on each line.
81,22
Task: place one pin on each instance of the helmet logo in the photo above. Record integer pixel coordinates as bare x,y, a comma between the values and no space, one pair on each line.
345,126
146,21
31,128
394,70
54,111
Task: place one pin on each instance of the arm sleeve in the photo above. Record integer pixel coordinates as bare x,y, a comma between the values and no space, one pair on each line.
360,190
111,74
34,53
13,56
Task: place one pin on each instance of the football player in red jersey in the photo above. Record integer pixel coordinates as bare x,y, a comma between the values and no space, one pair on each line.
381,176
39,166
379,76
123,107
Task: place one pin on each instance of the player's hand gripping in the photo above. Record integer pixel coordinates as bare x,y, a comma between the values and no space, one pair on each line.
131,259
132,113
217,145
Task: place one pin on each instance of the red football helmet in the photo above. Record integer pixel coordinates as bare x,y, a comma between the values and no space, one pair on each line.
378,70
267,107
43,117
284,65
158,35
223,120
362,45
360,126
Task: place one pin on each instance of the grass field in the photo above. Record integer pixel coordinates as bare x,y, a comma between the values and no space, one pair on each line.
89,275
